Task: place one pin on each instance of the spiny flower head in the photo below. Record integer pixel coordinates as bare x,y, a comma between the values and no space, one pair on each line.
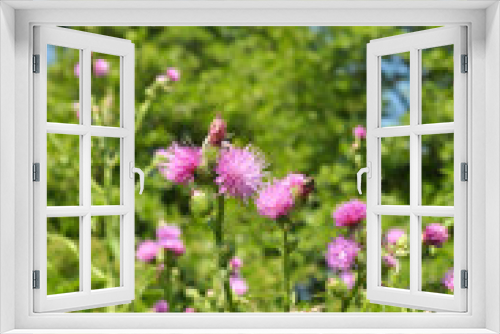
161,306
341,253
275,200
173,74
448,279
238,285
239,171
168,232
350,213
101,67
359,132
181,164
397,242
174,245
348,278
147,250
299,184
435,234
390,261
235,263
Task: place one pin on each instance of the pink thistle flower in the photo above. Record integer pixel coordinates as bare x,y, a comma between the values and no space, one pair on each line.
359,132
350,213
174,245
217,131
76,70
181,164
435,234
238,285
390,261
235,263
173,74
239,171
275,200
189,310
170,232
299,184
448,279
161,306
147,251
394,235
348,278
341,253
101,67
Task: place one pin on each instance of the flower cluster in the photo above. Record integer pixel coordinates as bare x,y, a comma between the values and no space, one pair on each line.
350,214
236,281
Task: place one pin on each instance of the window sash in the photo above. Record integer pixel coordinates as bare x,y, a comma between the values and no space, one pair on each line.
86,297
414,42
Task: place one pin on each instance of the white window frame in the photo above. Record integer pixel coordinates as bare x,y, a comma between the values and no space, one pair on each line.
16,21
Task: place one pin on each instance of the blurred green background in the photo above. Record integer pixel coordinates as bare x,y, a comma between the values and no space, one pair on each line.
296,93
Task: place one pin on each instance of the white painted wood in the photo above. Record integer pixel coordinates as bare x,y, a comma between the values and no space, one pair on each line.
76,129
492,186
86,298
7,167
249,4
189,13
414,43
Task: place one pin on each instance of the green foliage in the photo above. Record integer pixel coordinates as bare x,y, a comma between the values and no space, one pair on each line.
296,93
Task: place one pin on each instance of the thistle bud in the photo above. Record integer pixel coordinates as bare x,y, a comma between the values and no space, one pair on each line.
217,131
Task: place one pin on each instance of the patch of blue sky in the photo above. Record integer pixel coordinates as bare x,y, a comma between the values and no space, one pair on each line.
396,98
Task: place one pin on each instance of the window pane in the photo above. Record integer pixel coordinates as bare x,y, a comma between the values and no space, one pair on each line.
105,171
437,169
63,254
63,165
437,84
63,70
395,251
395,72
105,252
105,89
437,254
395,165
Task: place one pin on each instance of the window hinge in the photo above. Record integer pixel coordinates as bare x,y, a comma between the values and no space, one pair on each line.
36,172
36,63
36,279
465,64
464,172
464,279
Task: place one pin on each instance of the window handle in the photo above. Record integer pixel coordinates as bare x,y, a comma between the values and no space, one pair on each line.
133,170
368,171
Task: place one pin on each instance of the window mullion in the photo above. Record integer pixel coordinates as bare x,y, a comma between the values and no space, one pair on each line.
414,170
86,174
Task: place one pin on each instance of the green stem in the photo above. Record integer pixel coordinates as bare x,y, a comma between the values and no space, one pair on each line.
167,269
219,240
286,268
